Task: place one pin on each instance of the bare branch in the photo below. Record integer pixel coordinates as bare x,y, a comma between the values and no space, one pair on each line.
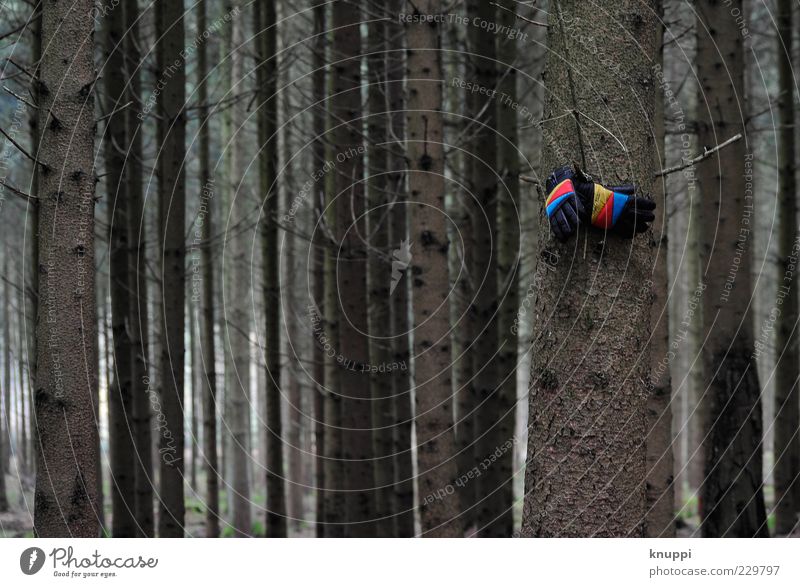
705,155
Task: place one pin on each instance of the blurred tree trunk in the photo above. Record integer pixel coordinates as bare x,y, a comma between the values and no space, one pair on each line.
239,288
23,454
497,519
268,140
660,517
196,370
120,402
353,343
586,457
401,350
66,488
170,104
787,405
137,270
380,279
318,268
5,424
436,448
732,499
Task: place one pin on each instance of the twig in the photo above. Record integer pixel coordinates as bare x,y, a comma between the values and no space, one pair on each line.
705,155
20,98
113,112
529,179
19,193
23,151
519,16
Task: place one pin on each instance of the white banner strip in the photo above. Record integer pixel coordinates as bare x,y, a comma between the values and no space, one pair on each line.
352,563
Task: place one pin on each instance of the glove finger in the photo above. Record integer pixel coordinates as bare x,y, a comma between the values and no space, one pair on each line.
563,223
571,213
577,204
626,189
556,229
644,204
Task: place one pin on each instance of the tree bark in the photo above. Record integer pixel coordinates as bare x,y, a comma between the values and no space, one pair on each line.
586,456
66,489
120,403
732,497
436,448
353,343
5,424
787,370
170,104
139,315
660,517
268,139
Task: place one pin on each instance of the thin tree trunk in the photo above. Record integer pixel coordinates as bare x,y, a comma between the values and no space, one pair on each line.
787,406
586,457
497,519
660,520
66,488
170,105
732,502
196,369
428,234
379,281
267,73
401,349
5,428
120,404
138,313
353,343
320,126
24,382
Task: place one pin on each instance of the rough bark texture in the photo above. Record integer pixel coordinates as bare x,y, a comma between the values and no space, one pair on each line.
120,402
787,370
660,516
137,271
66,487
379,279
170,104
428,234
496,519
401,350
268,140
586,455
732,502
353,343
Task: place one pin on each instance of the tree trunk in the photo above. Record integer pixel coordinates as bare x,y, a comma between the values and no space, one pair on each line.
268,139
5,424
660,520
320,126
120,404
401,350
428,237
139,315
380,280
353,343
586,456
497,519
66,489
170,104
787,405
732,498
239,287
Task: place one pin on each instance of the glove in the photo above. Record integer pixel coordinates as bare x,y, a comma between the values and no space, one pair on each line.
616,208
564,208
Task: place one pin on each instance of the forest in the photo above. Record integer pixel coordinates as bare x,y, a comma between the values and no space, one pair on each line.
399,268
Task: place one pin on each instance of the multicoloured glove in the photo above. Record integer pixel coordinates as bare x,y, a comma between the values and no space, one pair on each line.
564,208
616,208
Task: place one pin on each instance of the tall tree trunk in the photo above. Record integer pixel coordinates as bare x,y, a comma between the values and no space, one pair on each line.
660,520
497,518
787,405
379,281
353,343
66,381
268,164
196,370
401,350
592,311
5,428
428,235
732,499
139,315
120,404
239,288
170,104
320,126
